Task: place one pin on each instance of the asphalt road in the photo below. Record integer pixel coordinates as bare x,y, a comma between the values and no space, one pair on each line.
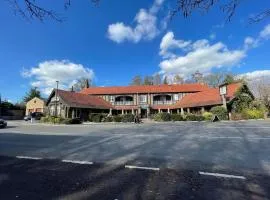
238,151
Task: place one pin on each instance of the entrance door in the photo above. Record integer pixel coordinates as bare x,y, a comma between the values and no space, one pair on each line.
144,113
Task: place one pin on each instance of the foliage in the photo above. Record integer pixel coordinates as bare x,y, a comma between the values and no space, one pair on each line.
97,117
165,80
220,112
117,118
177,117
193,117
197,77
60,120
252,114
128,118
108,119
157,79
243,99
208,116
162,117
177,79
236,116
31,94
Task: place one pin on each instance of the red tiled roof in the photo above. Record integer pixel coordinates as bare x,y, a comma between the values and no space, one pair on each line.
143,89
207,97
82,100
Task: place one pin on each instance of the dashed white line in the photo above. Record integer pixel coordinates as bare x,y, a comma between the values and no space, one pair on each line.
29,157
78,162
137,167
222,175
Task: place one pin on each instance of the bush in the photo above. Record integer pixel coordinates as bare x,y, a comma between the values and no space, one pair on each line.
253,114
162,117
236,116
72,121
207,116
220,111
44,119
97,117
117,118
177,117
128,118
192,117
108,119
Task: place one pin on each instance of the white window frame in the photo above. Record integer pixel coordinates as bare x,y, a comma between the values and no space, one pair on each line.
112,99
143,98
175,97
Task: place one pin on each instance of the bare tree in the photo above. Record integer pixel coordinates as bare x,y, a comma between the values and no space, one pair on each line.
197,77
157,79
229,7
137,80
81,84
177,79
214,79
148,80
33,10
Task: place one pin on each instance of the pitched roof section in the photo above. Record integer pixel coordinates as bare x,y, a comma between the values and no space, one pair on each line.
207,97
144,89
74,99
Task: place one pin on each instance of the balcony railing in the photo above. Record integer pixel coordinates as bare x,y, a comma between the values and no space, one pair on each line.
123,103
162,102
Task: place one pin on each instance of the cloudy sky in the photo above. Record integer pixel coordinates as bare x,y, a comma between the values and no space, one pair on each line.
118,39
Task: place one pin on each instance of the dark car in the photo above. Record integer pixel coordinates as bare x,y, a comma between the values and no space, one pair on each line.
3,124
34,115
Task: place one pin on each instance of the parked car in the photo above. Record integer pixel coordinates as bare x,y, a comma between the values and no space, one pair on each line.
3,124
35,115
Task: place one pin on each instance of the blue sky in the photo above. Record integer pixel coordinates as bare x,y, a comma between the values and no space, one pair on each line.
119,39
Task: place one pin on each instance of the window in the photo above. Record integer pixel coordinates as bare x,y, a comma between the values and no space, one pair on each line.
143,98
111,98
175,97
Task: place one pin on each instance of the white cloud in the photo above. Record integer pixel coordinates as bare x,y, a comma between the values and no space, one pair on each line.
169,43
256,75
202,56
146,26
265,33
45,75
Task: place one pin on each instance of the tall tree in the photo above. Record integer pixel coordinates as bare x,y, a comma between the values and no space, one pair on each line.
157,79
81,84
197,77
177,79
165,80
33,92
214,79
137,80
229,78
148,80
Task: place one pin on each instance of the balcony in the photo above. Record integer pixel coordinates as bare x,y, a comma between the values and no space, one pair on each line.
123,103
169,102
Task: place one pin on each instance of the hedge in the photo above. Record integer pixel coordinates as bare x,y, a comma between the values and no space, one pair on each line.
162,117
97,117
220,112
177,117
60,120
192,117
252,114
128,118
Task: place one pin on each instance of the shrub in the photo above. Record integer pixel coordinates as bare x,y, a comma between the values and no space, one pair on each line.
97,117
253,114
192,117
108,119
127,118
162,117
220,111
208,116
117,118
71,121
177,117
44,119
236,116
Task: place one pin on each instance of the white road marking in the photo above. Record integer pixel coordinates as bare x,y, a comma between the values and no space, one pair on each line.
78,162
137,167
28,157
222,175
235,137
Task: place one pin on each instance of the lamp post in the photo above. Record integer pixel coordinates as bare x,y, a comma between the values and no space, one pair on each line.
56,98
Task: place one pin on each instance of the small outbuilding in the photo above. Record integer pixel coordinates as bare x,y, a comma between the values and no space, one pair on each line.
35,105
